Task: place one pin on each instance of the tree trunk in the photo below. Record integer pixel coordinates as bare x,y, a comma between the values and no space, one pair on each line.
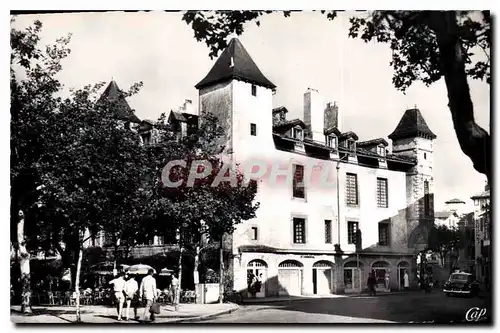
221,279
178,290
77,284
196,275
24,265
115,256
474,141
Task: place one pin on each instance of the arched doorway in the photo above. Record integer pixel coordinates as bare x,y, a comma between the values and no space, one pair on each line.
257,270
403,267
353,276
290,278
381,270
322,277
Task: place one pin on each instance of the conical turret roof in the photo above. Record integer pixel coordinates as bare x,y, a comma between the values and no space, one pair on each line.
235,63
113,94
412,124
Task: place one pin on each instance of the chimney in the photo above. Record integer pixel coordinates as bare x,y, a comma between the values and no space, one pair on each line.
187,107
332,117
314,108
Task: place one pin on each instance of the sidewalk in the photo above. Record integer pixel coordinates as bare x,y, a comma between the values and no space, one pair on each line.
303,298
91,314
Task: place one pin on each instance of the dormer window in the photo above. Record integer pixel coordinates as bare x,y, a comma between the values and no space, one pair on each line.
331,141
297,133
351,145
381,150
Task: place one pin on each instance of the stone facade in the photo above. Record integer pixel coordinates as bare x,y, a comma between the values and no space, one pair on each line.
314,266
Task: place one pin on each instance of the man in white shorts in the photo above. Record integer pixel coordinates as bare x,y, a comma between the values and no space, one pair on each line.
118,285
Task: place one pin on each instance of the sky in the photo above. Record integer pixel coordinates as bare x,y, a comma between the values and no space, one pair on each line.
304,50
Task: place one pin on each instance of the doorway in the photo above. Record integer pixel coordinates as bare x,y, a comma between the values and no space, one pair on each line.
257,269
290,278
353,276
402,268
322,278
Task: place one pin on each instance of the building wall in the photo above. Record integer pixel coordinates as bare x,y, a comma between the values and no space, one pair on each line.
238,108
419,222
218,100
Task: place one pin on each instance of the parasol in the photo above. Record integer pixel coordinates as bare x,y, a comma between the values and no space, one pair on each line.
139,269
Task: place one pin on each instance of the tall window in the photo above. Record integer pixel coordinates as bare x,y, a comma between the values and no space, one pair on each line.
382,193
253,129
351,189
254,233
254,90
426,198
383,234
352,227
299,230
298,182
328,231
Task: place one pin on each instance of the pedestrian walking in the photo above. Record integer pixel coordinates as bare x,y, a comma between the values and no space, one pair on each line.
173,288
130,290
118,285
387,279
406,281
371,284
148,293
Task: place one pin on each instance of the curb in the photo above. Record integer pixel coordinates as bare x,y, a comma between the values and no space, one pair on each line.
208,316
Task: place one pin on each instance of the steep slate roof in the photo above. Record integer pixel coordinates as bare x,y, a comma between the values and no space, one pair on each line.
235,63
332,130
114,95
348,135
289,124
177,116
412,124
374,142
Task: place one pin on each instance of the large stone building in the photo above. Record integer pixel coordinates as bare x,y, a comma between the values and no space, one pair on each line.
320,188
303,239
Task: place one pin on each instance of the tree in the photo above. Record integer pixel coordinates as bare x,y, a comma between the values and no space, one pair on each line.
426,46
446,242
211,203
33,87
95,177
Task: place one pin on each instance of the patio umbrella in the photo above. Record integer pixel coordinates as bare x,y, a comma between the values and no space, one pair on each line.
166,272
139,269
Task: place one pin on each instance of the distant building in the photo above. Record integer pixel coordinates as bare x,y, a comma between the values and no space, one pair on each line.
456,206
482,232
446,218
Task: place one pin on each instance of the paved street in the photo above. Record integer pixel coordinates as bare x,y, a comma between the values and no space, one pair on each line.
403,308
107,315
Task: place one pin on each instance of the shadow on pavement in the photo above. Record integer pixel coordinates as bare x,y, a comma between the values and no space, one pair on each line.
432,308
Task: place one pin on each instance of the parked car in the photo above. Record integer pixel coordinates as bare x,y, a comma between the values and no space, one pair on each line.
461,283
